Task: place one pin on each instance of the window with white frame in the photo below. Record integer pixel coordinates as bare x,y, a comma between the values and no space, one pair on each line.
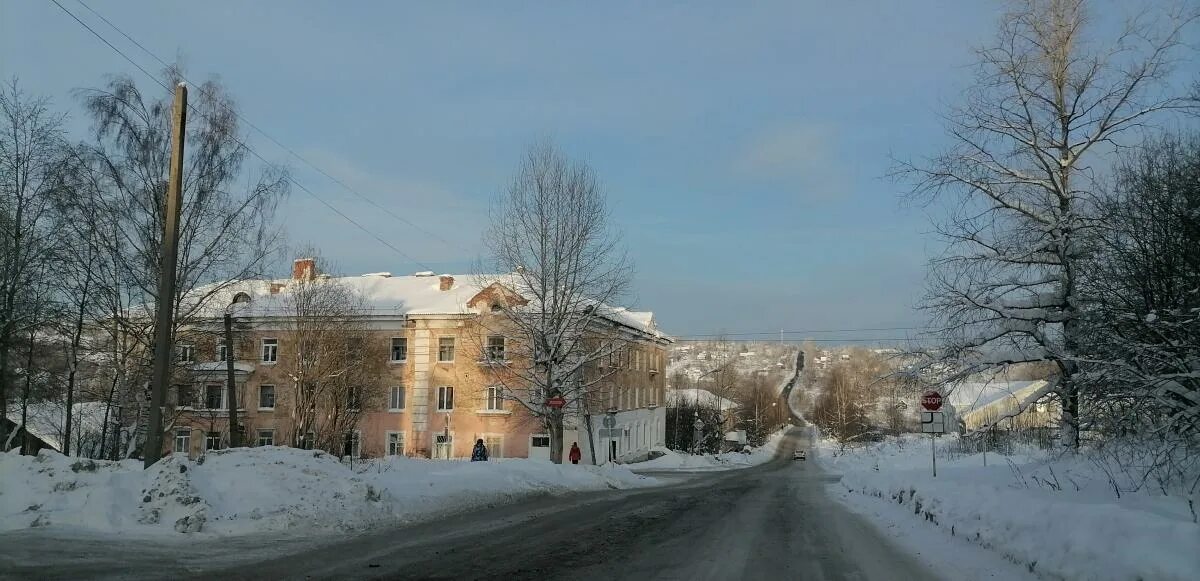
221,351
396,398
214,396
494,444
266,397
354,398
270,350
266,437
395,443
185,352
183,441
399,349
445,400
212,440
495,399
495,348
445,349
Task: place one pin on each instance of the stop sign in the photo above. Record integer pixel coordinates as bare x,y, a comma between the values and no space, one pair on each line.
931,400
556,402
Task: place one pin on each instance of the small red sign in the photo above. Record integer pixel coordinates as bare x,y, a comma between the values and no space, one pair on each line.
556,402
931,400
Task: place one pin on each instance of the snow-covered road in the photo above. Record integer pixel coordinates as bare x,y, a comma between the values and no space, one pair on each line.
773,521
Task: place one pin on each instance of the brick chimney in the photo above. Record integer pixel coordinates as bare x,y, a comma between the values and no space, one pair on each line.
445,282
304,269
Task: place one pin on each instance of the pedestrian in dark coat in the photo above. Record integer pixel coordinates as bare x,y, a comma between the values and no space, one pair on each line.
479,452
575,454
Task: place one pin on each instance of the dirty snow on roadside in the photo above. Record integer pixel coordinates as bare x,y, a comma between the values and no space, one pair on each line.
671,460
270,488
1056,516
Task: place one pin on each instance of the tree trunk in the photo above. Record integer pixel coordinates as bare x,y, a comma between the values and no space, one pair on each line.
25,398
3,387
556,436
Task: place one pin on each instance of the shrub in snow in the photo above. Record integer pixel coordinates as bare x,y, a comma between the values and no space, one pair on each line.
1058,516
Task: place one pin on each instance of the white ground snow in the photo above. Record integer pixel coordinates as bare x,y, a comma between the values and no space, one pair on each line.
270,488
1057,517
671,460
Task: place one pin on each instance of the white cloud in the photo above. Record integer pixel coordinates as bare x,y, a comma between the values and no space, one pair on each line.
798,157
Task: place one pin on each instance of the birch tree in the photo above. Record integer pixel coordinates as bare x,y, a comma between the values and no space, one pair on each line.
32,150
550,230
226,231
1050,100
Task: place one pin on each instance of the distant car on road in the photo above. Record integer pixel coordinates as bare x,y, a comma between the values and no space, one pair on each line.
799,455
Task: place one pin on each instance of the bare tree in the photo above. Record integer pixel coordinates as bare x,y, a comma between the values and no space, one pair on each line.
226,231
550,230
32,149
337,366
1145,288
1050,99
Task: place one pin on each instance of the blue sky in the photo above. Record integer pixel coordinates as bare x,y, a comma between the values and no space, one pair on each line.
744,148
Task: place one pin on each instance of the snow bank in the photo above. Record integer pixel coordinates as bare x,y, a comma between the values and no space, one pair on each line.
270,488
671,460
1051,515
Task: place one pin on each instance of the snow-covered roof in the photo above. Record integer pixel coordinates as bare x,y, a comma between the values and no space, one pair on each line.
418,294
47,419
694,395
966,396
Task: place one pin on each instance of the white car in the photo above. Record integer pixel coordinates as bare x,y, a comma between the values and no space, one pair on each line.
799,455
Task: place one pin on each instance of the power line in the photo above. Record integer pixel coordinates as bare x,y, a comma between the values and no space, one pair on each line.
293,181
290,151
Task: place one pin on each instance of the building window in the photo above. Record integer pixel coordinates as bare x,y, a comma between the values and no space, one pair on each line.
214,396
183,441
443,446
270,350
495,445
185,396
354,398
539,441
396,398
305,441
185,352
445,400
221,351
212,441
266,437
399,349
266,397
445,349
495,398
395,443
352,444
495,348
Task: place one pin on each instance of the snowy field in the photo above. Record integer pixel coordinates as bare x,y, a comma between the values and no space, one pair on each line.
270,488
1059,517
671,460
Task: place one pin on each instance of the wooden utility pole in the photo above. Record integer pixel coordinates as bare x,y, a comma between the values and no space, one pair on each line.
168,254
235,439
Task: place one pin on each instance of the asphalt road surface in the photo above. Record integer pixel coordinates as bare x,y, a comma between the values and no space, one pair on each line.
769,522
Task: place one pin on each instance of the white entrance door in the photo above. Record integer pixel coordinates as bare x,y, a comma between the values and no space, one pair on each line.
441,446
539,447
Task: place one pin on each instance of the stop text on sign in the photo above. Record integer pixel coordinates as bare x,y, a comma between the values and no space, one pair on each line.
931,400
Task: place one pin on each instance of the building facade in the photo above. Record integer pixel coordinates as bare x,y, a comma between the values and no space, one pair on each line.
434,376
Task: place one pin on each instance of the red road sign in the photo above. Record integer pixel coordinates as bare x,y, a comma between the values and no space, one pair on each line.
931,400
556,402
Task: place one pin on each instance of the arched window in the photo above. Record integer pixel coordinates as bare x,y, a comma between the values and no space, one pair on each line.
241,298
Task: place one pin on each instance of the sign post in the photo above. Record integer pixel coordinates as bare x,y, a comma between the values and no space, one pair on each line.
933,422
610,422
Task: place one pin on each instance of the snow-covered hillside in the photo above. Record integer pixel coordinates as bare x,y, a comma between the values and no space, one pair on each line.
1060,517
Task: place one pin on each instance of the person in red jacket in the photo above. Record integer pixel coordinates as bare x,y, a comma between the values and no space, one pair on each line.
575,454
